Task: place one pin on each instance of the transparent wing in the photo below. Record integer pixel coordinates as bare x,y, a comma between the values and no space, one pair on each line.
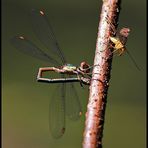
72,103
44,32
27,47
57,112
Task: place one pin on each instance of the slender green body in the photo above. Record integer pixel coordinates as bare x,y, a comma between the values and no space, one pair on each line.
69,67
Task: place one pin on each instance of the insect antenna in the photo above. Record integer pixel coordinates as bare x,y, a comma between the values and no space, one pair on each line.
133,60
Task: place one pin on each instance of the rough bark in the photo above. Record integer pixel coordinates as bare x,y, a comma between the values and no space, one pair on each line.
101,74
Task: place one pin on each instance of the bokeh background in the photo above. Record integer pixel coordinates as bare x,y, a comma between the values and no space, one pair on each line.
25,103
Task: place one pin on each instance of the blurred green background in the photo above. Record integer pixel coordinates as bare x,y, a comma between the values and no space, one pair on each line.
25,102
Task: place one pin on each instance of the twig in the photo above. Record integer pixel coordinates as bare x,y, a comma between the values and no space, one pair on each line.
101,74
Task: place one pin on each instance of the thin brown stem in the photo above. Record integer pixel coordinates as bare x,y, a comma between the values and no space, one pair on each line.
100,76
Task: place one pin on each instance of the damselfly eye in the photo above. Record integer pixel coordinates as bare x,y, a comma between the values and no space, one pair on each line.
84,65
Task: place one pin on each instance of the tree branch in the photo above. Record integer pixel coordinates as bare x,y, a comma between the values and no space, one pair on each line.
101,74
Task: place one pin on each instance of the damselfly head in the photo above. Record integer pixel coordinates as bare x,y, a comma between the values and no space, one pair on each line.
85,67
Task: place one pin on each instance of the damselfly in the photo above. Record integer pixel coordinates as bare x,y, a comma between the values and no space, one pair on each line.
61,105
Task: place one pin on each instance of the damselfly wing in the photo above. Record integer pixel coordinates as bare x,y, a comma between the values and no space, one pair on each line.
60,105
